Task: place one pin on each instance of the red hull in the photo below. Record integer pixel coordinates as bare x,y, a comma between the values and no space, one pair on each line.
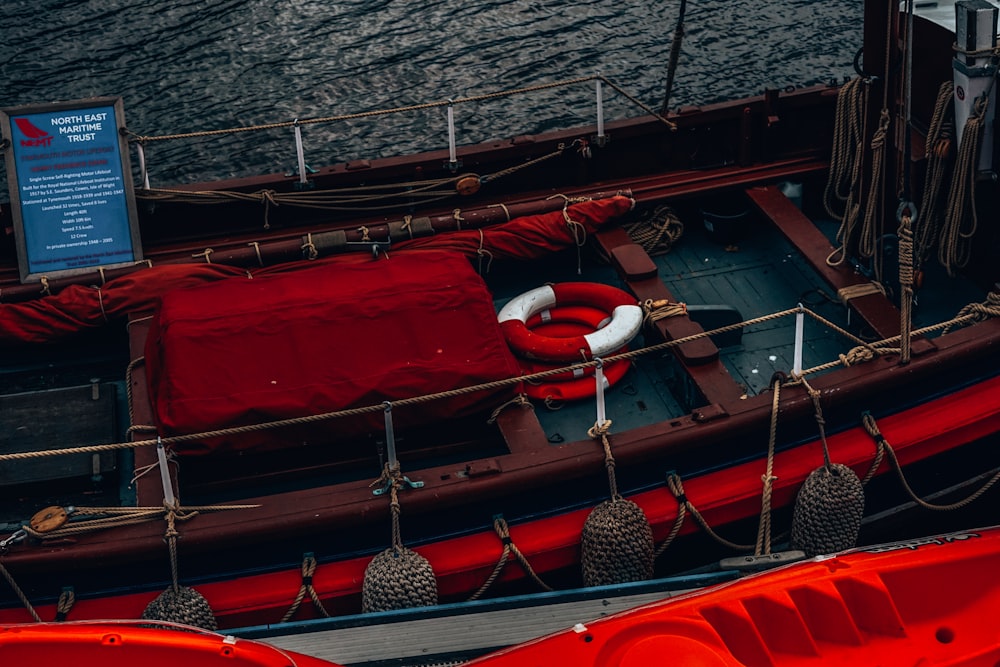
463,563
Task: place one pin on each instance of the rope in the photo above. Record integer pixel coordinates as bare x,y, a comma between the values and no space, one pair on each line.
308,570
576,228
65,604
172,516
845,294
503,532
660,309
684,506
840,194
383,112
483,253
814,395
939,142
397,578
763,546
830,503
871,426
392,479
906,258
657,232
871,223
601,431
20,594
977,312
962,220
358,198
865,351
123,516
560,148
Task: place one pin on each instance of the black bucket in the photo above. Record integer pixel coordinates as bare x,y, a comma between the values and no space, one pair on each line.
726,221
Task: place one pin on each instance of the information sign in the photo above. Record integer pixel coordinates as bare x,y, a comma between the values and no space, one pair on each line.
70,186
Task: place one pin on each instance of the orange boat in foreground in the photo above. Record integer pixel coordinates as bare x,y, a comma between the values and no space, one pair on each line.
114,643
932,601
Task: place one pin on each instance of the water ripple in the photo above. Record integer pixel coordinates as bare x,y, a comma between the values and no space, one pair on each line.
208,64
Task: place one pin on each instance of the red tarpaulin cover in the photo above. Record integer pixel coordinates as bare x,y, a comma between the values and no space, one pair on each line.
242,351
79,307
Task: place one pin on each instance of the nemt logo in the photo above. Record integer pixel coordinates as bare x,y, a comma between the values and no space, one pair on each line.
35,135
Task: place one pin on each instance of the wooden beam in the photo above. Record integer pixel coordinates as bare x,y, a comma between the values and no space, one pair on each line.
876,309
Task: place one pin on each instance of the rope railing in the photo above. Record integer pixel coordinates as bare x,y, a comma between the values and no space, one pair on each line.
863,351
404,109
141,140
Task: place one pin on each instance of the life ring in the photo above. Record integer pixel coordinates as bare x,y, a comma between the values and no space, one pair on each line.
581,387
626,320
564,322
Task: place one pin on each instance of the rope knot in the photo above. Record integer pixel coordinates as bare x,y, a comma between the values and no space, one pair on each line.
857,355
599,430
309,248
659,309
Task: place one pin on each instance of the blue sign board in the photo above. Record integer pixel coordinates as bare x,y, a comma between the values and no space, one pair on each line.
71,187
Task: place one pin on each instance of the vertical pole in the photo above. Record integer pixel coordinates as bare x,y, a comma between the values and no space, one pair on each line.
799,326
600,111
142,165
599,379
168,485
390,437
300,152
452,152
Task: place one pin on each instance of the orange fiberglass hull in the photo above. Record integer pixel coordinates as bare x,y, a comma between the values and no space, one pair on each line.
932,601
124,644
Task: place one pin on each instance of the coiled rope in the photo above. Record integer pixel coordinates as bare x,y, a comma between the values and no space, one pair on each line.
906,276
657,232
962,220
842,193
939,151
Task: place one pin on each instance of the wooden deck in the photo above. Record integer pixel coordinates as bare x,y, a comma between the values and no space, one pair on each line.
431,636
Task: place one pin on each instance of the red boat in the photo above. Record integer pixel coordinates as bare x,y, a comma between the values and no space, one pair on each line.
927,601
110,643
293,394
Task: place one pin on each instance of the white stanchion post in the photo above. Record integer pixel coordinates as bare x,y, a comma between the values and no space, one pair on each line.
300,152
168,485
452,152
799,326
599,379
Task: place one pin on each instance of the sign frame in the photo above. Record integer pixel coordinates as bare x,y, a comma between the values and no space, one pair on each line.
77,214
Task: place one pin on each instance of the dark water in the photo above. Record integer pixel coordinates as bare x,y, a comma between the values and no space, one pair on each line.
191,65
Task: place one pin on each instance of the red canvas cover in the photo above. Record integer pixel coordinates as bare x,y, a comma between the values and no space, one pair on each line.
79,307
248,350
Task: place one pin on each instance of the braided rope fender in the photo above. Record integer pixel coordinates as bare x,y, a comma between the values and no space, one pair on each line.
626,320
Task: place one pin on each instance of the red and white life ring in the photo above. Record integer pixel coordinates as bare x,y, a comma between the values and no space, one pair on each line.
626,320
564,322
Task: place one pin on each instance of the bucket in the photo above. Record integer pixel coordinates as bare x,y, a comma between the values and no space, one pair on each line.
726,221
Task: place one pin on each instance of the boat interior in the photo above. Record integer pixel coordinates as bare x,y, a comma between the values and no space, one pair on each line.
730,243
731,260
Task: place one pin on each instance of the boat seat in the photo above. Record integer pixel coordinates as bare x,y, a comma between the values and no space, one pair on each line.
715,317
